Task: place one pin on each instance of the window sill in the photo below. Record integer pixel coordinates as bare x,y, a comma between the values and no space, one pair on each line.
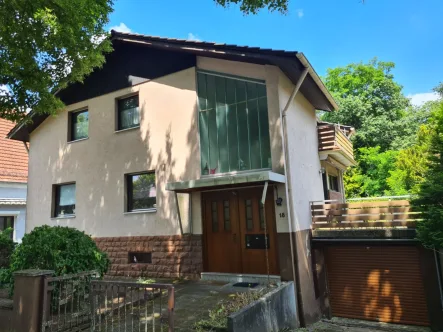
78,140
68,216
127,129
141,211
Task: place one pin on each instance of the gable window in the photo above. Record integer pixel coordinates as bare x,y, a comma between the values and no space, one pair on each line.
7,222
333,183
64,200
233,124
79,125
128,113
141,191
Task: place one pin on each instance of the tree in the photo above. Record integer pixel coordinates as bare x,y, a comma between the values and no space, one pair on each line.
370,100
253,6
430,196
369,177
44,46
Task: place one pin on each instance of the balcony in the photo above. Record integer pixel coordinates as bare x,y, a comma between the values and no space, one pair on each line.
333,142
379,218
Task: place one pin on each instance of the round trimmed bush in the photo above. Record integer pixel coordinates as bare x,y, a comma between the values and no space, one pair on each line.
62,249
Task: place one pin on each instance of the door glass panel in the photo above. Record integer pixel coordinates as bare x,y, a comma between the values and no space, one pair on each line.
262,216
214,216
249,220
226,217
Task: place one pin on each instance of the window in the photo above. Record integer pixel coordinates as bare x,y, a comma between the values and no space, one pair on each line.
79,125
128,113
64,200
7,222
233,124
142,192
333,183
139,257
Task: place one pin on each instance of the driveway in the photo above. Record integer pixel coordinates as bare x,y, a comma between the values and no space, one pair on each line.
354,325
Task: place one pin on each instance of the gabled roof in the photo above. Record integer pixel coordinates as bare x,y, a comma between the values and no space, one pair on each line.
292,63
13,156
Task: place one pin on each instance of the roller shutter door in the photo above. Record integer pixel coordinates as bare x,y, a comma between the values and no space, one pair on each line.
381,283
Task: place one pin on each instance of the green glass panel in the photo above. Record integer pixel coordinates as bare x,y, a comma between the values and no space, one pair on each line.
261,90
204,142
266,161
220,91
232,137
222,140
201,85
243,140
230,91
210,91
251,89
213,143
254,134
240,91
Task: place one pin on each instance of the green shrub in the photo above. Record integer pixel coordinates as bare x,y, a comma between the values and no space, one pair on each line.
6,248
62,249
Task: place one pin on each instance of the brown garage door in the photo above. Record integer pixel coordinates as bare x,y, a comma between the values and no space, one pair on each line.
380,283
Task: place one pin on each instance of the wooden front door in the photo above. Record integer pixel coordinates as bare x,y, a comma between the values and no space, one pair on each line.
234,229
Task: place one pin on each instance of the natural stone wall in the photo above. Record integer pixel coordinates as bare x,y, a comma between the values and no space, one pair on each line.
173,256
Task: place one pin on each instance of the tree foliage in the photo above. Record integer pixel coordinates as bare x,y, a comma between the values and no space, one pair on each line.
370,101
253,6
45,45
430,195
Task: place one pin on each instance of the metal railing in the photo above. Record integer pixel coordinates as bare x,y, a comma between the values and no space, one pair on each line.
66,302
131,306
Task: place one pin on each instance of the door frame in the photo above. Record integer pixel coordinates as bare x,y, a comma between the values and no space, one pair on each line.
273,223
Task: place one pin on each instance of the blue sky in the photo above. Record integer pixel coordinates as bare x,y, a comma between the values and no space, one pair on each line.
330,33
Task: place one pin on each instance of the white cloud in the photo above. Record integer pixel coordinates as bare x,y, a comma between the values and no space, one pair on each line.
121,28
300,13
193,37
421,98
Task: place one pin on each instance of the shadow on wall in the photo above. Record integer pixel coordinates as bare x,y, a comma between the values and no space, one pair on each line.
95,167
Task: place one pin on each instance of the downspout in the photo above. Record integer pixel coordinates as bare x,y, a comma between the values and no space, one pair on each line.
288,189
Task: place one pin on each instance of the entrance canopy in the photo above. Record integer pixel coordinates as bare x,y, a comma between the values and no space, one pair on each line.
213,182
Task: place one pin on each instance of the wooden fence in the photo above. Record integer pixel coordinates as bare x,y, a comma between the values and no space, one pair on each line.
363,214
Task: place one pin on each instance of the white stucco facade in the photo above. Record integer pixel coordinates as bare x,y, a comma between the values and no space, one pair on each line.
15,193
167,142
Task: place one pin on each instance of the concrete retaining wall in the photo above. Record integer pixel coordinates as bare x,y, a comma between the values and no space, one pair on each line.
273,312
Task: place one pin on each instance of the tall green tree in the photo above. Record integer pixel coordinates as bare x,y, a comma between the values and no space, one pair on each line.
430,195
44,46
370,100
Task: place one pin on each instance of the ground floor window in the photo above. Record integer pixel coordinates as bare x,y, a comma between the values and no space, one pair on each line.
141,191
64,203
333,183
6,222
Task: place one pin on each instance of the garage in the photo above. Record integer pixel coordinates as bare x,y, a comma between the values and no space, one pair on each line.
376,282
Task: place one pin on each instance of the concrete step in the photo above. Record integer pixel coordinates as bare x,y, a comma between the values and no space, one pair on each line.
233,277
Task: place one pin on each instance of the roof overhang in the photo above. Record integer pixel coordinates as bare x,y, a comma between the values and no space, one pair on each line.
292,65
232,180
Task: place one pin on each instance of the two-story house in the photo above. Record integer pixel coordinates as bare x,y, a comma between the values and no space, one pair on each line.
185,158
13,178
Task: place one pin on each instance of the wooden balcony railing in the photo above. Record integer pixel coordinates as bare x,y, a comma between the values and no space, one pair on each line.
363,214
331,139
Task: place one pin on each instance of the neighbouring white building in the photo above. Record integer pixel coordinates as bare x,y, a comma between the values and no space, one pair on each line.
13,182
